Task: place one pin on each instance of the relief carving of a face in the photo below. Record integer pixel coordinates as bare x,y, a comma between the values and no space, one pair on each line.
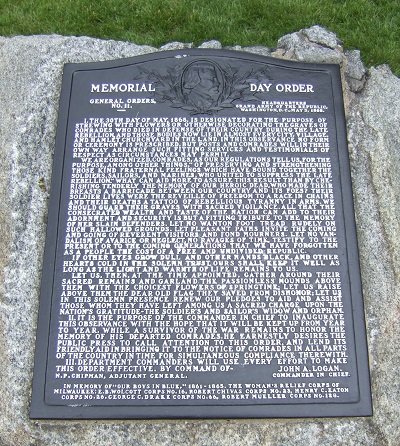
202,84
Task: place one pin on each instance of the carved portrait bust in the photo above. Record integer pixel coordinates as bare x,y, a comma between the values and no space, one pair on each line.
202,84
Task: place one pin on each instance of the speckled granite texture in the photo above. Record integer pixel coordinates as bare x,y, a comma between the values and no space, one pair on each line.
30,78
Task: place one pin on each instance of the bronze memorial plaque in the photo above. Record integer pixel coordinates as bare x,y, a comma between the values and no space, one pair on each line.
201,257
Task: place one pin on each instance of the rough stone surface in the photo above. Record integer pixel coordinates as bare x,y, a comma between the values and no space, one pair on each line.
214,44
176,46
315,44
264,51
30,77
355,70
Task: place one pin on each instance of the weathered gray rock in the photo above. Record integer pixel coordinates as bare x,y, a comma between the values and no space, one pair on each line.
373,128
314,44
234,48
30,77
213,44
319,45
176,46
354,71
262,50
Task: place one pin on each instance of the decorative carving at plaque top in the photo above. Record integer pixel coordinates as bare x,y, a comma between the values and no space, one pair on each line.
204,86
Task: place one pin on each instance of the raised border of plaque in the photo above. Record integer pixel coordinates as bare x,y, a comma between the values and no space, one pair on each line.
256,118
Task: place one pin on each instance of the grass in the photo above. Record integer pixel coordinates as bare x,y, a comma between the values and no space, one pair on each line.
373,26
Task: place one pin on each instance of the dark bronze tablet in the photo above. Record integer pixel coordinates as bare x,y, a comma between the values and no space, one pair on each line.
201,256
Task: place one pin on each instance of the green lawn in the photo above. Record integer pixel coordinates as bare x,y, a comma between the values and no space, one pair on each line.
373,26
